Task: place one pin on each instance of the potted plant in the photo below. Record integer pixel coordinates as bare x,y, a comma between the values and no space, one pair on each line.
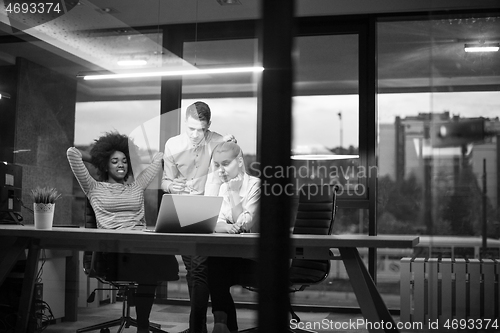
44,201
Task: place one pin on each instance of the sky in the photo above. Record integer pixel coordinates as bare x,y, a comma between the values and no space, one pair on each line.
316,122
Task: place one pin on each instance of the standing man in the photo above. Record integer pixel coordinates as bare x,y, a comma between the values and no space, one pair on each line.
187,171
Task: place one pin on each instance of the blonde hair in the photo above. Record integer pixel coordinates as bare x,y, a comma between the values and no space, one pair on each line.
232,147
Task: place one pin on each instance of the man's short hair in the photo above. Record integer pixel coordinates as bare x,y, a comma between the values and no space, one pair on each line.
199,111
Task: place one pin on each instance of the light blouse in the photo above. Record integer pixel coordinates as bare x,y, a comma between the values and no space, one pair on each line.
250,196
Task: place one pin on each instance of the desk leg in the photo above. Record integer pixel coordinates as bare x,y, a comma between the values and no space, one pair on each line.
72,287
28,287
9,256
372,306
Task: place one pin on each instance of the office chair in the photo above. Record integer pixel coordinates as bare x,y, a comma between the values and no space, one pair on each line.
315,216
100,265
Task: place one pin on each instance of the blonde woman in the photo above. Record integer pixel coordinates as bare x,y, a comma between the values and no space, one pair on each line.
239,213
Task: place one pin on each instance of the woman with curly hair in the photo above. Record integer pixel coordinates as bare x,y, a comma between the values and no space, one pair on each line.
119,204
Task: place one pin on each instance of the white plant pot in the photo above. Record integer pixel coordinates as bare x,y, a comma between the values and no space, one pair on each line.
44,215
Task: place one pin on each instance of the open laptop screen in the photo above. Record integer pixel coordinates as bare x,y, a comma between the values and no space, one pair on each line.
188,213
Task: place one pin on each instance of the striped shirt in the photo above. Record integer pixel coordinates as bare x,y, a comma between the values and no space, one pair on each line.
116,206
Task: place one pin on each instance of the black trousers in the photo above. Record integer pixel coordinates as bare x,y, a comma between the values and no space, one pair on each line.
223,273
144,269
197,280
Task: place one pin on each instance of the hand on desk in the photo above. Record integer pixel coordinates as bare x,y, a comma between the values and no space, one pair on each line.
234,228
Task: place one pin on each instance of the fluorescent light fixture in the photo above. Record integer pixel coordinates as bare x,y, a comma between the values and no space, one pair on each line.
322,157
482,47
132,62
228,2
160,73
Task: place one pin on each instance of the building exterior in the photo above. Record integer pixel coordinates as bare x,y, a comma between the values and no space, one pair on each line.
408,148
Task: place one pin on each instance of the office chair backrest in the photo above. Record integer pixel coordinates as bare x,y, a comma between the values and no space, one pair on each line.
90,219
315,216
99,265
316,210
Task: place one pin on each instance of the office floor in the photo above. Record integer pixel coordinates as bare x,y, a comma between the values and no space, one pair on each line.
174,318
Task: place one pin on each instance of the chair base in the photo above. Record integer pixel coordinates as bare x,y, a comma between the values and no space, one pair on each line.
123,322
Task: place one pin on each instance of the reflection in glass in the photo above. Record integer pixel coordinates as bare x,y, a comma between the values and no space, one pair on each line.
95,118
433,145
325,144
438,149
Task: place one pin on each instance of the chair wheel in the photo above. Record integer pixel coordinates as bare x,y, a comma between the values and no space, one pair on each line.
105,330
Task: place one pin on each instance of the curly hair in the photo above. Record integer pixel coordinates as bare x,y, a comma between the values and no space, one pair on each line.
105,146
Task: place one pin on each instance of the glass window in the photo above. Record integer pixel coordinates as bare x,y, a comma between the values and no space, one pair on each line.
326,141
232,97
129,106
325,146
233,104
438,140
137,119
438,137
236,116
95,118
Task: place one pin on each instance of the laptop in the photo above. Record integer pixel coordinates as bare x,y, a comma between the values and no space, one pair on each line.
195,214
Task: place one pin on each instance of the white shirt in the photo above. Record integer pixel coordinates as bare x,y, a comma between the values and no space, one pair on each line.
184,160
250,196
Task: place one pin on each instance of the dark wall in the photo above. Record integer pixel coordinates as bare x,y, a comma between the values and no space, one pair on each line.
45,128
8,83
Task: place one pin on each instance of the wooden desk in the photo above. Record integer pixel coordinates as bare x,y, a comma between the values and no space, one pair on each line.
15,239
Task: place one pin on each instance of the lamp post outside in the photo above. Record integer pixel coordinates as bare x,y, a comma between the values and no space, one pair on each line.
485,219
341,130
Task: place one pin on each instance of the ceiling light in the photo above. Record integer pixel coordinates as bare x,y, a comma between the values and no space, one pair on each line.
229,2
160,73
322,157
132,62
482,47
107,10
4,95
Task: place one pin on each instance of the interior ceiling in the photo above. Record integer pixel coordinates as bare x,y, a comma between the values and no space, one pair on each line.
94,34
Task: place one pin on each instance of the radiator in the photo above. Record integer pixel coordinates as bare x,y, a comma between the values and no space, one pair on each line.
440,289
